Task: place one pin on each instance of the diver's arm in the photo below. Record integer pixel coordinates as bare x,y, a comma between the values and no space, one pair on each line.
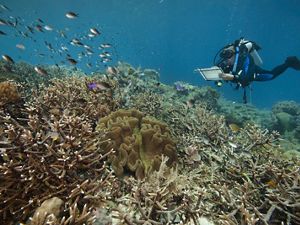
227,76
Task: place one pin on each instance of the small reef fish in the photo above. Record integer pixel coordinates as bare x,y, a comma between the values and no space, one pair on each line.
112,70
94,31
40,20
190,103
20,46
233,145
272,184
62,34
91,35
49,46
2,33
5,7
106,45
39,28
40,71
104,54
75,41
98,86
30,29
3,22
8,59
72,61
234,127
48,28
106,60
71,15
53,135
64,48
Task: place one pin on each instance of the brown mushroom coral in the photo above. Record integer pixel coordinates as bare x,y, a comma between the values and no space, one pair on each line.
8,93
138,142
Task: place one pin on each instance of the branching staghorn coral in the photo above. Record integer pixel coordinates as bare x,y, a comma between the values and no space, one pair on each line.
51,157
158,200
149,103
246,181
75,95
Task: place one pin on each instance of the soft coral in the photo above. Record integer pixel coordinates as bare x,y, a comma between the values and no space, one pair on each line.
8,93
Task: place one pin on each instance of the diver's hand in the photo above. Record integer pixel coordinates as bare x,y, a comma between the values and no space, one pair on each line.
226,76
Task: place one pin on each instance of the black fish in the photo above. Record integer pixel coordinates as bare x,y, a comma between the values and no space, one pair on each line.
8,59
39,28
40,20
5,7
94,31
2,33
49,46
3,22
30,29
72,61
77,42
71,15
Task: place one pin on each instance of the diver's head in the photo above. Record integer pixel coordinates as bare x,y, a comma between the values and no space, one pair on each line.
226,58
227,54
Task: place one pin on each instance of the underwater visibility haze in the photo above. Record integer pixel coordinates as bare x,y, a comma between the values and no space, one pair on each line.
173,37
105,120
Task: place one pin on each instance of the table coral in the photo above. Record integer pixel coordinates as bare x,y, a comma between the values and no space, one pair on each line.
138,142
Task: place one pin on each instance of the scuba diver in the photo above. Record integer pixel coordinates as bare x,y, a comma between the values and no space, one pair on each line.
241,64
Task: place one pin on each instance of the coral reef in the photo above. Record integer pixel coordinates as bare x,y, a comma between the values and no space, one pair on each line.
235,184
59,152
9,93
287,114
158,200
56,156
74,95
242,114
25,74
149,103
290,107
50,208
138,141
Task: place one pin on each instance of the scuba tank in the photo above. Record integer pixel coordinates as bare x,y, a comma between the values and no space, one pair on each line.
241,49
252,46
244,45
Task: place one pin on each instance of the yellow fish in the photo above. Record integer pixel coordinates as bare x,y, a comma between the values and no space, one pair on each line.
271,184
234,127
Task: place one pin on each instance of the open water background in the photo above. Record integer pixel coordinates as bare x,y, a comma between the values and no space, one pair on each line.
171,36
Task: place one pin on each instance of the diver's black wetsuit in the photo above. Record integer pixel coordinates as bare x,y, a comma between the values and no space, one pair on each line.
247,71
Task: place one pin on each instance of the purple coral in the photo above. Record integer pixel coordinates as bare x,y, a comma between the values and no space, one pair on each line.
180,87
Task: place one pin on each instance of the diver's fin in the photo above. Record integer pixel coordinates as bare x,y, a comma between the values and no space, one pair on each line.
293,62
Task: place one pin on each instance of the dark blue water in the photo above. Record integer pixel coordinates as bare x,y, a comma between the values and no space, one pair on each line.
172,36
